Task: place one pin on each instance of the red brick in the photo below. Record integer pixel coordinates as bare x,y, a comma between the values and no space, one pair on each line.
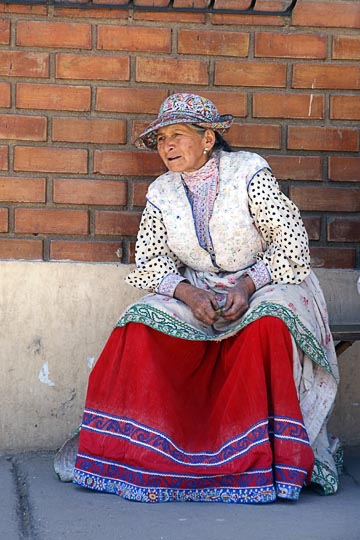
234,103
4,158
199,4
102,2
98,67
255,136
94,130
261,5
313,227
63,250
160,3
139,193
11,248
253,20
26,128
344,169
281,45
4,32
53,34
346,48
127,163
296,167
171,70
130,100
134,38
345,229
4,225
288,105
21,189
168,17
229,73
99,192
5,97
207,42
326,76
246,20
151,3
20,9
345,107
323,257
51,221
78,2
43,159
52,96
327,14
325,199
117,223
323,138
24,64
93,13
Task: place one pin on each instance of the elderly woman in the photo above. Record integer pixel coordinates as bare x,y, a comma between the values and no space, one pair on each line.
218,384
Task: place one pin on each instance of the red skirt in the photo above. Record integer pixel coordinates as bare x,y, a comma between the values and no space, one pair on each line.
168,419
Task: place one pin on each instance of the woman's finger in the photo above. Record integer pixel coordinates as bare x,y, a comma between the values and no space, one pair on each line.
235,306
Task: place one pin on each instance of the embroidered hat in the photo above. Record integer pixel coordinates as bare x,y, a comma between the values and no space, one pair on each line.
184,109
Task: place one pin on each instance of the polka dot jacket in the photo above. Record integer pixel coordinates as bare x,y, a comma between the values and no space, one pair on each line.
254,227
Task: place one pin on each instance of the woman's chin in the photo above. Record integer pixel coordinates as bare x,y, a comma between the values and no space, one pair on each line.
175,166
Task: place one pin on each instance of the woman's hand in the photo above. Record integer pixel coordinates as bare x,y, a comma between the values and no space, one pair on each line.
202,303
237,300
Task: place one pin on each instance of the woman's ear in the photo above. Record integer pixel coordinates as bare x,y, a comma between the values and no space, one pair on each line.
210,138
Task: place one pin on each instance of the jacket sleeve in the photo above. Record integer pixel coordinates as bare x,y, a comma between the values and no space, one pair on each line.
157,267
286,256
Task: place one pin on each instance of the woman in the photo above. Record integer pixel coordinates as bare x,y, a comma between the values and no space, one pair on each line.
218,384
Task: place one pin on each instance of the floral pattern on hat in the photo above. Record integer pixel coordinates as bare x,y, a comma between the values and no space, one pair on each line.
183,108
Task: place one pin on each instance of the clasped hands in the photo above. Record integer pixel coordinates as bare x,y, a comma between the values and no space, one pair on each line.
205,307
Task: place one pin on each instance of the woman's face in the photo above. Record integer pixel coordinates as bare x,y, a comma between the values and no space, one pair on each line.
182,148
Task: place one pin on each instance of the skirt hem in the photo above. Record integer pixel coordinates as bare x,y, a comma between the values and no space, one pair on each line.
259,495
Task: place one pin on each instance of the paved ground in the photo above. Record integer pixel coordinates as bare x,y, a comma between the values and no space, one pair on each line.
35,505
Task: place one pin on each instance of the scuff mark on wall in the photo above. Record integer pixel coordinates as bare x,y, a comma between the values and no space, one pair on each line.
35,346
66,406
44,375
310,104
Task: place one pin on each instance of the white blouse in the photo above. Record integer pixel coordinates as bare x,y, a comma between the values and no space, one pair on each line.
284,259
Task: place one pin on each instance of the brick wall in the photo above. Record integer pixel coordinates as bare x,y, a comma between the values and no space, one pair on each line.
77,85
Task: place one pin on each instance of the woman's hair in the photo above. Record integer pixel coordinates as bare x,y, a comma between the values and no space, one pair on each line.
220,143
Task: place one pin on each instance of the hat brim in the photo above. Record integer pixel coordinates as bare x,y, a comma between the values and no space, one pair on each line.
147,139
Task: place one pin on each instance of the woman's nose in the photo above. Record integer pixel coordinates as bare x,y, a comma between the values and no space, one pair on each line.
169,144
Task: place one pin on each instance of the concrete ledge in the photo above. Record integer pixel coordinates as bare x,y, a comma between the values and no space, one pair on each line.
342,296
54,321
